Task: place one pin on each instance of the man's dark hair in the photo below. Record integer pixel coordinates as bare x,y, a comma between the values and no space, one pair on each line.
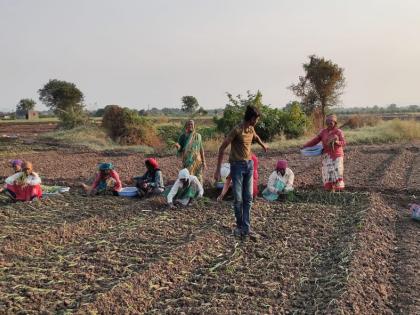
251,112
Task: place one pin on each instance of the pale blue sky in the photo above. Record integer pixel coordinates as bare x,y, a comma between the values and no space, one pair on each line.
138,53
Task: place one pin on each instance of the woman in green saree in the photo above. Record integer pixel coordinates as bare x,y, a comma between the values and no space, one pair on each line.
190,148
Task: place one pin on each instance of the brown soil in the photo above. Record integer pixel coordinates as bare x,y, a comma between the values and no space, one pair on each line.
352,252
29,129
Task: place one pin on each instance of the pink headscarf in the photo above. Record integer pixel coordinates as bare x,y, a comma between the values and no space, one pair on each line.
281,164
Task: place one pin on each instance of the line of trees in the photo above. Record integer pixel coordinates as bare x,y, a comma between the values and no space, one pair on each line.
390,109
319,90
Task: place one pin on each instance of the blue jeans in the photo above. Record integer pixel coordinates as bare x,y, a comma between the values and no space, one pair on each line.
241,173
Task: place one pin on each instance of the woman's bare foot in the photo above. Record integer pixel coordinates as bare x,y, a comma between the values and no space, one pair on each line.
86,188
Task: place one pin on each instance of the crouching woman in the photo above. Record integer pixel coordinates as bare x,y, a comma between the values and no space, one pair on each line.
280,182
106,181
151,183
186,188
24,185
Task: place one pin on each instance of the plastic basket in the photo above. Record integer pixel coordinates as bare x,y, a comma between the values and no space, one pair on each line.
312,151
128,192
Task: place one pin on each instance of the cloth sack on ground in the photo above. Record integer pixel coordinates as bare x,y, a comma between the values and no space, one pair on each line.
268,195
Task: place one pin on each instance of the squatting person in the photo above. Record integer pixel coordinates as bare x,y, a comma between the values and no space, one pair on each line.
24,185
280,182
106,181
151,183
185,189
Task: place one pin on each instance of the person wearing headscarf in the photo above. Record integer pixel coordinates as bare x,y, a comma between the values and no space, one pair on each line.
227,180
332,139
280,182
106,181
24,185
17,167
151,183
190,148
185,189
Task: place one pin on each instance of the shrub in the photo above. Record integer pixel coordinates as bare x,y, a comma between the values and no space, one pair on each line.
358,121
70,119
126,127
169,133
208,133
93,137
295,121
273,121
213,144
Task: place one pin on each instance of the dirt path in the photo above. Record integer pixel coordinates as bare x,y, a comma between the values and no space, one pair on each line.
403,173
407,268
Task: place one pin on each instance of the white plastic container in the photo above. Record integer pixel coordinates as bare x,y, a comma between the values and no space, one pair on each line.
128,192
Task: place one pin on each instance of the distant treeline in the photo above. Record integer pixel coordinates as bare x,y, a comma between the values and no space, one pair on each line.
392,108
166,111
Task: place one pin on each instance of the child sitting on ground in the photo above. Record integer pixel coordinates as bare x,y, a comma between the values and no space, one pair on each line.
24,185
106,181
280,182
151,183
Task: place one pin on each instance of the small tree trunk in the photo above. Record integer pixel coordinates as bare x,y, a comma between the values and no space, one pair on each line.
323,114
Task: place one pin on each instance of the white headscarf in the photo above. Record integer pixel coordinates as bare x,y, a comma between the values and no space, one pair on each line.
184,174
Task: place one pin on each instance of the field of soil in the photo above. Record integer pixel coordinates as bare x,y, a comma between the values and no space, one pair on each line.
355,252
26,129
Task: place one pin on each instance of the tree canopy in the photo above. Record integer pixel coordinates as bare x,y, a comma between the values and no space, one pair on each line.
25,105
61,95
189,104
321,87
66,100
291,122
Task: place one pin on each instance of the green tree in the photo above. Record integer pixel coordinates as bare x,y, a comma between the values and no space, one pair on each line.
269,124
392,108
202,111
321,87
99,112
296,121
25,105
66,100
189,104
292,122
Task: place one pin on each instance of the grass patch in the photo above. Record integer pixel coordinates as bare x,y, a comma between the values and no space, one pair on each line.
385,132
388,131
93,137
96,138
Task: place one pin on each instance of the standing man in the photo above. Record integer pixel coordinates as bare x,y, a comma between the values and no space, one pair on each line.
241,168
